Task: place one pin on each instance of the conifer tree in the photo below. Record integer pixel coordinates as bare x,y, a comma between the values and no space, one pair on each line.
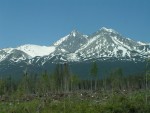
66,77
94,72
147,78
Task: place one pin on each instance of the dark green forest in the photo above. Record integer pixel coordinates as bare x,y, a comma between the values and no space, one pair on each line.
63,91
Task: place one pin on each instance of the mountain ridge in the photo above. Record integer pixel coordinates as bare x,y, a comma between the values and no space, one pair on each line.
104,43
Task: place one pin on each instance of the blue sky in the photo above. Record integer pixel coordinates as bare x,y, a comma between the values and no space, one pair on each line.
43,22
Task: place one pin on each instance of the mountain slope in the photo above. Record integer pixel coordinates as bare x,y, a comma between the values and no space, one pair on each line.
30,50
71,42
4,53
17,56
108,43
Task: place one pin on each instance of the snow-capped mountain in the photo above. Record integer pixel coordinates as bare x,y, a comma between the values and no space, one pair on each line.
77,47
71,42
31,51
103,44
107,43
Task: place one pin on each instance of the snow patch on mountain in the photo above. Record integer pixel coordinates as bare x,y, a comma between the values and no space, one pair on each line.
35,50
61,40
8,50
108,30
119,43
2,57
87,44
4,53
14,59
141,43
72,57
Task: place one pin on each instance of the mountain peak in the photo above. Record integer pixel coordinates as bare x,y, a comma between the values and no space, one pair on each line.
108,30
74,32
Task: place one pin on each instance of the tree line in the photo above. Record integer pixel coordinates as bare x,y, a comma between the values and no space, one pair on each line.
62,80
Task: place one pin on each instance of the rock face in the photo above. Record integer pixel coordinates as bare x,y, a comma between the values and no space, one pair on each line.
105,45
